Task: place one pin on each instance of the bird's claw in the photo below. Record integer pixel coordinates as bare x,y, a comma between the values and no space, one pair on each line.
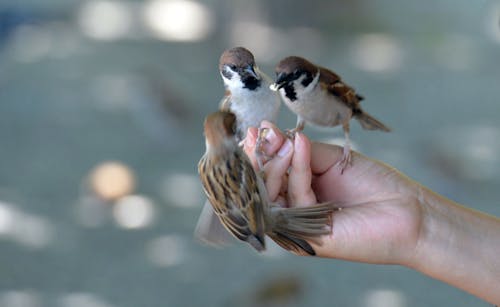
290,133
259,151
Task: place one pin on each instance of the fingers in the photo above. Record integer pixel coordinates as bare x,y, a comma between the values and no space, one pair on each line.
288,173
324,156
273,140
279,147
299,181
249,145
276,169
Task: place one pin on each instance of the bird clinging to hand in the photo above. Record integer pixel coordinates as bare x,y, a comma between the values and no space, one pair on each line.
318,96
239,197
249,97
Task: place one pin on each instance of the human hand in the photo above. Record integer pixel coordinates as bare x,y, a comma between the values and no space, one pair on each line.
387,218
381,215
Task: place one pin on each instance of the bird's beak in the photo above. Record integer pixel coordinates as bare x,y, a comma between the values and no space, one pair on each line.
281,81
251,71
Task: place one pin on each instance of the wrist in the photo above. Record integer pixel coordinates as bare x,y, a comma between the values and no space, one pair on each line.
433,231
457,245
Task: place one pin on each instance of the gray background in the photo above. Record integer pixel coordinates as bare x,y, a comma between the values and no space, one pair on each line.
82,83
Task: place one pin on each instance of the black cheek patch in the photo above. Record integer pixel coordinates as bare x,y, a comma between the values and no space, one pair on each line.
251,83
290,92
307,80
227,74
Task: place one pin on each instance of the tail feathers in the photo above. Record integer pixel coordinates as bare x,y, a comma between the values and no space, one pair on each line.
368,122
257,242
294,227
209,228
295,245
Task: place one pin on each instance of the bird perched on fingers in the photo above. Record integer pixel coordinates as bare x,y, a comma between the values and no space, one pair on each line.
249,97
320,97
239,197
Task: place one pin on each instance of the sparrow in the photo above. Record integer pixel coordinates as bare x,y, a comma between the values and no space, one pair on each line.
247,93
239,197
319,96
248,96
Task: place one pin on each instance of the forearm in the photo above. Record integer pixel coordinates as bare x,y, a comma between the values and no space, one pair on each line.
459,246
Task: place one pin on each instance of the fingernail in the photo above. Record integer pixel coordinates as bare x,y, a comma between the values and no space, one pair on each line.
270,136
285,148
266,124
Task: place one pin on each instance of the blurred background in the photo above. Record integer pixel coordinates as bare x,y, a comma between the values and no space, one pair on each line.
101,110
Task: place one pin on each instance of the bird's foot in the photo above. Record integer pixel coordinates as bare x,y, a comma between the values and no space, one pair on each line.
290,133
260,155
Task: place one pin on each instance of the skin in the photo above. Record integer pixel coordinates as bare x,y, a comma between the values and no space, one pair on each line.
387,217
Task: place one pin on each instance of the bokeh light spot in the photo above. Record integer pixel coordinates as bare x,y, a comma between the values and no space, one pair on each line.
105,20
29,230
178,20
384,298
377,52
111,180
134,211
265,41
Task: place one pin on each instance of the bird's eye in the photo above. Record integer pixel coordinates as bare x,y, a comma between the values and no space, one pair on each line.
233,67
296,73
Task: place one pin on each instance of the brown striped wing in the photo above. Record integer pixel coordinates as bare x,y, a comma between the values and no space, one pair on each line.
339,89
231,187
